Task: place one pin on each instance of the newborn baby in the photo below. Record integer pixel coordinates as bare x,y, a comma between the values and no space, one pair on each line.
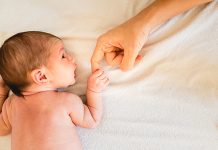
34,65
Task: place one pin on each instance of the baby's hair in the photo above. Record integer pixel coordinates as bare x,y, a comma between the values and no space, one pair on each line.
21,54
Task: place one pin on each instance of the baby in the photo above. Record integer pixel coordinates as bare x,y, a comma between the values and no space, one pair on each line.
34,65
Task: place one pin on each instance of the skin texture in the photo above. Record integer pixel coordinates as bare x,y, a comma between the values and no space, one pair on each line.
4,90
121,45
46,119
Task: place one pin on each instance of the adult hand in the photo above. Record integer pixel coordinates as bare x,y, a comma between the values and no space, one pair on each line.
120,46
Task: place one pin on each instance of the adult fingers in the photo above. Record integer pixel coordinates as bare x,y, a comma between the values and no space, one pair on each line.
128,59
97,56
138,59
110,54
114,58
109,57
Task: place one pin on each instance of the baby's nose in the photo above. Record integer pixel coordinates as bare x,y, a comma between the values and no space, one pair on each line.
75,65
70,58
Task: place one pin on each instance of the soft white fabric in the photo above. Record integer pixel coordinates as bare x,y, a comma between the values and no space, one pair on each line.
168,101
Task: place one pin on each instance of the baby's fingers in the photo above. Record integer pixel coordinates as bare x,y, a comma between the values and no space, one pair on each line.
98,73
107,81
102,76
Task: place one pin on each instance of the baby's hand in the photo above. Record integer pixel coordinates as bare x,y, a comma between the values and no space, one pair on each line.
97,81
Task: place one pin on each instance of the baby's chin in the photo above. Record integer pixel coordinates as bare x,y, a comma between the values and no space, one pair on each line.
68,85
72,83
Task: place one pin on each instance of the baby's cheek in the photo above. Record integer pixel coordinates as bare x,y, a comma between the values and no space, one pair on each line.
70,70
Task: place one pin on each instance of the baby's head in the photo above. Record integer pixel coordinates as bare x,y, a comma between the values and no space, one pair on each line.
35,60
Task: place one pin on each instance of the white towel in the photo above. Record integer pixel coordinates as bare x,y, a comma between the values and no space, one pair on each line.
168,101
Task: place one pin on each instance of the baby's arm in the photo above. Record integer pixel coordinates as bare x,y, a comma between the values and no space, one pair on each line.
4,123
89,115
5,127
96,83
4,90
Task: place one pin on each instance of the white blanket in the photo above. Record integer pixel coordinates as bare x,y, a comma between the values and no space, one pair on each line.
168,101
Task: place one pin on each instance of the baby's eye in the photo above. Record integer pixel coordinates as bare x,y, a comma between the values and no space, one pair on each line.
63,56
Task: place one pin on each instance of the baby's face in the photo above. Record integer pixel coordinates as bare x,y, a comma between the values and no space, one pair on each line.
61,66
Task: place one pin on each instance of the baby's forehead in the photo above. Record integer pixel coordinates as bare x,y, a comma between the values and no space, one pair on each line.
55,44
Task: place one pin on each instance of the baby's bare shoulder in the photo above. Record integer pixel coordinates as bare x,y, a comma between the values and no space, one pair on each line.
70,101
69,98
67,95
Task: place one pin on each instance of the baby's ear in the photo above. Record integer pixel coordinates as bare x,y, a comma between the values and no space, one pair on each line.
39,76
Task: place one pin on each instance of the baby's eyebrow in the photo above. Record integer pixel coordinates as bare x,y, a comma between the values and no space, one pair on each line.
61,49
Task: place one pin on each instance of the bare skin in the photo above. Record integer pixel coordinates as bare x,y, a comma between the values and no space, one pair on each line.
45,119
120,46
4,90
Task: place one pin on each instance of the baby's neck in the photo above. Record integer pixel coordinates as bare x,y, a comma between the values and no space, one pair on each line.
36,89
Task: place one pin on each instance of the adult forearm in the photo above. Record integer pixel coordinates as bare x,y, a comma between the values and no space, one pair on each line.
162,10
94,103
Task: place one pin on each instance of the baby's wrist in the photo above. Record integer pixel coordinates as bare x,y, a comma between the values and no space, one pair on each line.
93,90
